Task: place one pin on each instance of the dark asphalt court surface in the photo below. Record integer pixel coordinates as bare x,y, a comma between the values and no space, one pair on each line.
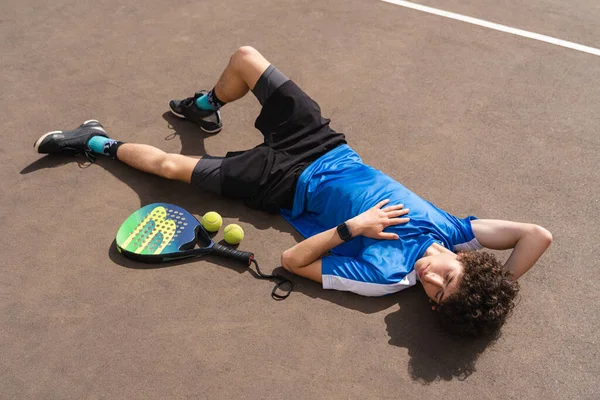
477,121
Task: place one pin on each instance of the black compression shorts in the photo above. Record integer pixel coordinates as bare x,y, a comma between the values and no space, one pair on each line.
295,134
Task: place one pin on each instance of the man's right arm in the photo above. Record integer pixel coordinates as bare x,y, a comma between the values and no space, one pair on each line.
304,258
528,241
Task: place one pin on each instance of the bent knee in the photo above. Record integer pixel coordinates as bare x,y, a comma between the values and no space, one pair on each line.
243,55
246,51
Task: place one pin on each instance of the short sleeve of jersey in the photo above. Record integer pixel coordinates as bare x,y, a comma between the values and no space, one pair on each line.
361,277
457,234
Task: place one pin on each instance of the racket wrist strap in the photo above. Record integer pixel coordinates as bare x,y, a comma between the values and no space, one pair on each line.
280,281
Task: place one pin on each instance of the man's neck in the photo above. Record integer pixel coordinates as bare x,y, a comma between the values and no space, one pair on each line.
436,248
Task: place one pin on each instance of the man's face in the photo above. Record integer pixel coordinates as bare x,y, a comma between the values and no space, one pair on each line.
440,275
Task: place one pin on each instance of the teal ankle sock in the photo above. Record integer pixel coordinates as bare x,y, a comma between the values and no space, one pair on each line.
203,103
100,144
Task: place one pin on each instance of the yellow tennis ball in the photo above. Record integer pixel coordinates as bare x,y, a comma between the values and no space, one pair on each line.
233,233
212,221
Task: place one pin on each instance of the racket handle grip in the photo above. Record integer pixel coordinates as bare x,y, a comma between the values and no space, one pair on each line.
242,256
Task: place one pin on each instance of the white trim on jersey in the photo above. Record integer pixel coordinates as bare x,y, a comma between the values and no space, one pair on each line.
471,245
368,288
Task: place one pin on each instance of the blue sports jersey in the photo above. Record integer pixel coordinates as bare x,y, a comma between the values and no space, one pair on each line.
337,187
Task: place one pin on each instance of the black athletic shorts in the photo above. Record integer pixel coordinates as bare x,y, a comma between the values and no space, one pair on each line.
295,134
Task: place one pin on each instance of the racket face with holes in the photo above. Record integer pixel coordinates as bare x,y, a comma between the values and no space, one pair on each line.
161,232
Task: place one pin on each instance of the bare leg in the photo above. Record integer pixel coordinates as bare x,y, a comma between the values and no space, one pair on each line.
245,67
155,161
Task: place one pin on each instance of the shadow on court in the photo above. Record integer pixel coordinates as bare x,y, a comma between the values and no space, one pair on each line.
434,354
191,136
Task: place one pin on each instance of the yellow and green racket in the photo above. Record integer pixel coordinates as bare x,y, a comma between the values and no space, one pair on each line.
162,232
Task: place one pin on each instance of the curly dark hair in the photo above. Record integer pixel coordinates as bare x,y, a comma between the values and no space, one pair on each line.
486,296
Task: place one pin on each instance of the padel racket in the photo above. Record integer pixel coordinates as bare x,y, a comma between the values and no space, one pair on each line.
162,232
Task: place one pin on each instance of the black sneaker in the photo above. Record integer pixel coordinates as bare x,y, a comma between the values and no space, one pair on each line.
70,142
209,120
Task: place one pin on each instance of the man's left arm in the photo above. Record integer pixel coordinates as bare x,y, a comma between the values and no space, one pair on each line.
528,241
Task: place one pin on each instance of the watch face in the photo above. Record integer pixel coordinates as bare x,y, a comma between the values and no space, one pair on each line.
344,232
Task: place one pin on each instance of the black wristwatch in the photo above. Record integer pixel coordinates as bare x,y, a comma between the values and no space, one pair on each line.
344,232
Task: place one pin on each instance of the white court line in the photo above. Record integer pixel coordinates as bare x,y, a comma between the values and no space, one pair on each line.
497,27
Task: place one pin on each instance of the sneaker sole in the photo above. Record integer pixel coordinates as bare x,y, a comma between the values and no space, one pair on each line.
213,131
37,143
201,127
